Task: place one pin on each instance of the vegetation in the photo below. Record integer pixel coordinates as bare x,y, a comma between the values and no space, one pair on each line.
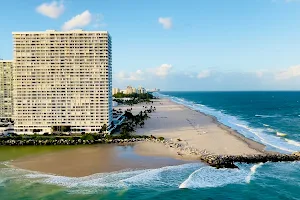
134,98
134,95
133,121
124,130
88,136
161,138
62,129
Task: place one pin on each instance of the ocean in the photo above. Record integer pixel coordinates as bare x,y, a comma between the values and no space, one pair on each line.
272,118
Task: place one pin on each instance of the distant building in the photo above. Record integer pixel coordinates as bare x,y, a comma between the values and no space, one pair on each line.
153,90
123,91
134,90
115,91
141,90
6,79
129,90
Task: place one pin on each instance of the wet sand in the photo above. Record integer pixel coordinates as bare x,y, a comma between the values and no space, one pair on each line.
87,160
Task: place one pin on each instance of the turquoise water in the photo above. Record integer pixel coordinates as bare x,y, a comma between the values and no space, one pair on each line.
257,115
268,181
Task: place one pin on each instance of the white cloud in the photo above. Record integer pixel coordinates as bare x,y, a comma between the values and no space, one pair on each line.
163,70
204,74
259,74
288,73
262,72
79,21
166,22
133,76
52,10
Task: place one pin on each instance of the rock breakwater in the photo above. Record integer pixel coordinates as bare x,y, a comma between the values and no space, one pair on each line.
226,161
12,142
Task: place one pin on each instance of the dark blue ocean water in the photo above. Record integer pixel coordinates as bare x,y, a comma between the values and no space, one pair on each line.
269,117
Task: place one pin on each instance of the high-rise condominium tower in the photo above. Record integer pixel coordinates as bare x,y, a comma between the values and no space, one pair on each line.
62,80
5,89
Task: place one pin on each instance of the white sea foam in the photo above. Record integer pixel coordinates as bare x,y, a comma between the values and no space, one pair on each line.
293,142
168,176
281,134
211,177
267,116
252,172
193,175
266,125
165,176
260,135
270,130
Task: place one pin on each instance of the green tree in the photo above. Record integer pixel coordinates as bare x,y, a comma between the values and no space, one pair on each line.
65,129
54,128
104,128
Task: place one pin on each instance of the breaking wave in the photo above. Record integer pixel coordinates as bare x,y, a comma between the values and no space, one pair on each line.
267,116
281,134
252,171
186,176
293,142
212,177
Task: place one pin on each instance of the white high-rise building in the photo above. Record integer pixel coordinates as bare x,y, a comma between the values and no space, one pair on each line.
6,89
115,91
134,90
62,79
141,90
129,90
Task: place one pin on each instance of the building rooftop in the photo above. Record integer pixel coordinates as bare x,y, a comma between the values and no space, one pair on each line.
58,32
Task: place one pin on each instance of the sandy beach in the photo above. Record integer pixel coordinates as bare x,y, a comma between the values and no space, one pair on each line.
176,123
191,128
88,160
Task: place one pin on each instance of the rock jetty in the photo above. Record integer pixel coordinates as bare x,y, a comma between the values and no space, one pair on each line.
227,161
12,142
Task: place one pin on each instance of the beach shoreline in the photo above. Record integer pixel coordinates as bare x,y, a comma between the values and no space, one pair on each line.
225,135
188,136
251,143
88,160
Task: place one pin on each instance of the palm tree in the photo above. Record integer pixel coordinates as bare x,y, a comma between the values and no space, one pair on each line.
104,128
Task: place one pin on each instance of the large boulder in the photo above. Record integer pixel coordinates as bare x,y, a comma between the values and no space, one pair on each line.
296,153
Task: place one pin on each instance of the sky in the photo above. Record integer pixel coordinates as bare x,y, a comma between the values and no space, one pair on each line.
191,45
